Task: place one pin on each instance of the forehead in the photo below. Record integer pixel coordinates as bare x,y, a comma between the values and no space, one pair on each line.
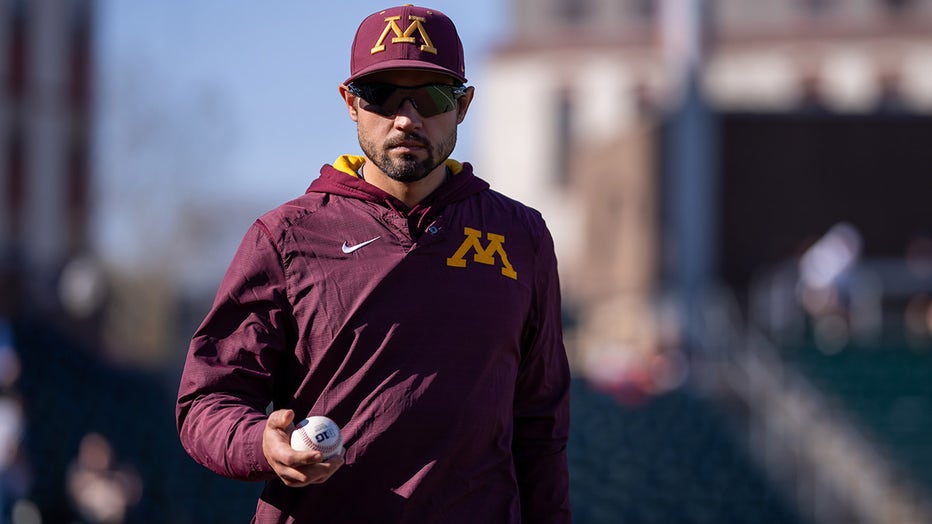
409,77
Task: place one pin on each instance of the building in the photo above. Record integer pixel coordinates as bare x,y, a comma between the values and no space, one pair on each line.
684,153
45,144
582,108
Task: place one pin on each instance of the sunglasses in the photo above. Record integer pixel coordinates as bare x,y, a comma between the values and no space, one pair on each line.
385,99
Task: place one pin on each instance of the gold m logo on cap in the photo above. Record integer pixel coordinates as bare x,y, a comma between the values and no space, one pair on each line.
406,37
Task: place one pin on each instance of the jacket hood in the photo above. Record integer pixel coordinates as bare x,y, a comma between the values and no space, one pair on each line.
341,178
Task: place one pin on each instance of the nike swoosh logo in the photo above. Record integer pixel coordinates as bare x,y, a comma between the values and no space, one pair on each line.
349,249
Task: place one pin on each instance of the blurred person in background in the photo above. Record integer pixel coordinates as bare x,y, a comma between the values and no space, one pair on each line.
14,470
101,490
406,300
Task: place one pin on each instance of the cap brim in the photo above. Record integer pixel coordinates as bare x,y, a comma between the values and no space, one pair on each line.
404,64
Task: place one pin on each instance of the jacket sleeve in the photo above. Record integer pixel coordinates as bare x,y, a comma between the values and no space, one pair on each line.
541,426
226,384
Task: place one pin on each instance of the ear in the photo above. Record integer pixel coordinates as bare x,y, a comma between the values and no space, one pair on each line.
350,100
464,102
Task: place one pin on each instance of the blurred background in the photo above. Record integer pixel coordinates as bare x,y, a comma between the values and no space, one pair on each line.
737,190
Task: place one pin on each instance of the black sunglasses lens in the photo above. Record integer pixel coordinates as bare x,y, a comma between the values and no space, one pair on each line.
375,97
435,100
429,100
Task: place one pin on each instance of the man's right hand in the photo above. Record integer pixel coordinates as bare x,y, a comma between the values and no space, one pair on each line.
296,468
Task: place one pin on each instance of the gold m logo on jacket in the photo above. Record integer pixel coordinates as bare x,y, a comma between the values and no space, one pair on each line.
483,255
406,37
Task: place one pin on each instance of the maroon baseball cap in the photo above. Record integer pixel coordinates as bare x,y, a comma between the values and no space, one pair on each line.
407,37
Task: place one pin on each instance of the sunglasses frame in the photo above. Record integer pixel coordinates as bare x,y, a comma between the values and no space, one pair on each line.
364,91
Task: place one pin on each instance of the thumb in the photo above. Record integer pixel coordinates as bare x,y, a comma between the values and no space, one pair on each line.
281,419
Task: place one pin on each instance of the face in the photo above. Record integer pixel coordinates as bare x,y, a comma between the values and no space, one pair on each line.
406,146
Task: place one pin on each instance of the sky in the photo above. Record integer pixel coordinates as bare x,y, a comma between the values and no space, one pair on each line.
210,112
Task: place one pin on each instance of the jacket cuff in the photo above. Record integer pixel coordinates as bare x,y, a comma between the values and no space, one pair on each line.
259,467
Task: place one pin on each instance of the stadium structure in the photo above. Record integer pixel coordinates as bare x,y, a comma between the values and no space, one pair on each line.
45,146
736,193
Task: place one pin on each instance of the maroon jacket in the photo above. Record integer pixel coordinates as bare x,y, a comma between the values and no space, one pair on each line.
431,335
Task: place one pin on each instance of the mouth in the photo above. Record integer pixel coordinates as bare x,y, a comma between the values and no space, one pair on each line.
407,149
407,145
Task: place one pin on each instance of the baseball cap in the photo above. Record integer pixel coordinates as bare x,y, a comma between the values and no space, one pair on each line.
407,37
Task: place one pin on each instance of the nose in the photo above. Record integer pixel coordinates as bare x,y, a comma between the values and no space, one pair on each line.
407,116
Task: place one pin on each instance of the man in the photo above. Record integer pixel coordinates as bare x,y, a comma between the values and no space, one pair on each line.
404,299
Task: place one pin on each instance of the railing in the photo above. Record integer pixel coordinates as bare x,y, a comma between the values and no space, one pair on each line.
812,451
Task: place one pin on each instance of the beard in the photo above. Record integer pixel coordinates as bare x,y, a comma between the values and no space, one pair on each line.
408,167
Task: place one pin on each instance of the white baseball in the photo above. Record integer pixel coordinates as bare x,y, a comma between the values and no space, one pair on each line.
318,433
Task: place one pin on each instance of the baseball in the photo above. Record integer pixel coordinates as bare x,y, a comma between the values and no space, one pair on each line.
318,433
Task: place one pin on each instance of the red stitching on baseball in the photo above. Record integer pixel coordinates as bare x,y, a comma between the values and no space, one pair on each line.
306,439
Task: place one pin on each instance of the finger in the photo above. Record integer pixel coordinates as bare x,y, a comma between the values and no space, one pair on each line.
322,472
295,478
299,459
335,461
331,465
